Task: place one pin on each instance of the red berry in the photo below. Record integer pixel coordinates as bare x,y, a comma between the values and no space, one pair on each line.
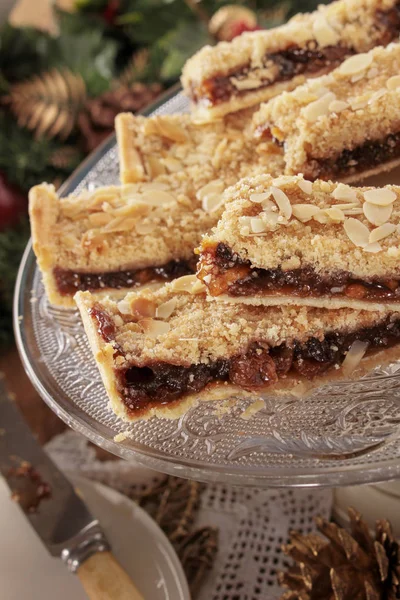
241,26
110,13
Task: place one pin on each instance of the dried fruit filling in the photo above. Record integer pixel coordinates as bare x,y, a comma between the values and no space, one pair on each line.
160,383
295,60
70,282
233,276
363,157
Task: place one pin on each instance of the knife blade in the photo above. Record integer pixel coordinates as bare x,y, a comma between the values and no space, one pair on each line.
50,503
56,512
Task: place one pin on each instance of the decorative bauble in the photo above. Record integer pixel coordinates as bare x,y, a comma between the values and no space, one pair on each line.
231,21
349,566
13,203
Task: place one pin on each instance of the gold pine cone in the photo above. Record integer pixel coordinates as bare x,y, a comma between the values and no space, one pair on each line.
349,566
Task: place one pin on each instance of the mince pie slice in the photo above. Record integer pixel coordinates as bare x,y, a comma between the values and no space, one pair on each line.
256,66
215,155
159,352
291,241
343,126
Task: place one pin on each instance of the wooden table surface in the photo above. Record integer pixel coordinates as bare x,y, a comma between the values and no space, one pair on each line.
44,423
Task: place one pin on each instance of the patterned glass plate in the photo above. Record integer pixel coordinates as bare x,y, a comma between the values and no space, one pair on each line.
342,434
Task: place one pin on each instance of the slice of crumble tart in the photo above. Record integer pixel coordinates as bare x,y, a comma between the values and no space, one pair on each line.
116,238
343,126
159,352
220,152
291,241
256,66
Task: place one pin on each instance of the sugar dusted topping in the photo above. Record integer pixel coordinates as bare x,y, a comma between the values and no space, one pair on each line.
361,237
199,331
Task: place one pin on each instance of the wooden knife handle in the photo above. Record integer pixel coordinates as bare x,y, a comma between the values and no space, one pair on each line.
103,578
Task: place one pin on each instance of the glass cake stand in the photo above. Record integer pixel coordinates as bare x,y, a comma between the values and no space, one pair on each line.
342,434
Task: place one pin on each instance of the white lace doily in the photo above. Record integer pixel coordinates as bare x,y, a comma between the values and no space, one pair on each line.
252,523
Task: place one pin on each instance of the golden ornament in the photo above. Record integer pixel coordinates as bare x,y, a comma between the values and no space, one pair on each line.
223,23
349,566
48,104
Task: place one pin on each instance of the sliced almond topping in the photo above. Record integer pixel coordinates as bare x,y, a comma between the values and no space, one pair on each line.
359,102
151,186
354,356
381,197
258,198
378,94
245,84
270,217
355,64
188,283
357,232
319,107
99,219
154,167
172,164
344,192
335,214
144,228
323,32
393,83
305,186
348,206
282,202
166,309
212,202
321,217
338,105
353,211
154,328
124,307
372,248
304,212
141,307
377,215
257,225
158,198
165,126
120,224
213,187
381,232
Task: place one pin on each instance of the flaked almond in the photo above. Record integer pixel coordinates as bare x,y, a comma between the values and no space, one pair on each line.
99,219
270,217
154,328
257,225
348,205
338,106
213,187
258,198
357,232
377,215
158,198
358,76
165,126
282,201
305,186
212,202
373,248
393,82
344,192
355,64
151,186
134,209
354,356
324,32
142,307
375,97
359,102
189,284
172,164
166,309
380,196
304,212
154,167
321,217
381,232
335,214
124,307
121,224
352,211
145,227
129,190
319,107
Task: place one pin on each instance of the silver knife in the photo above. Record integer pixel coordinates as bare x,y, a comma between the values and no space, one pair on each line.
56,512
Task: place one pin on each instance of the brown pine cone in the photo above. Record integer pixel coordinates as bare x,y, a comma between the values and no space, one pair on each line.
96,121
